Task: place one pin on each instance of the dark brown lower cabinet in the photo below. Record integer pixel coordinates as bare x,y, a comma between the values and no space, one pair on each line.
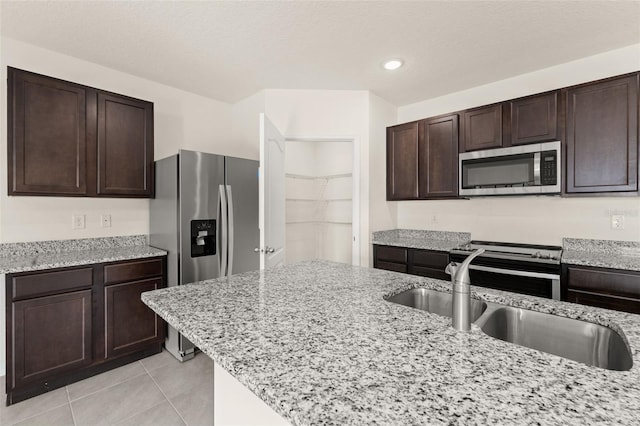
130,323
605,288
67,324
426,263
52,334
390,258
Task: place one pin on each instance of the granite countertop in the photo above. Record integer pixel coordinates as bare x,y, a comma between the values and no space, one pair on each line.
35,256
602,253
317,342
421,239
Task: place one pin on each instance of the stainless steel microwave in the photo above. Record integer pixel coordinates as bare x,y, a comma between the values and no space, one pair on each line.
519,170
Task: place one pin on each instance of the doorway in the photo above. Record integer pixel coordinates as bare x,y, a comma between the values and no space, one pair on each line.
321,203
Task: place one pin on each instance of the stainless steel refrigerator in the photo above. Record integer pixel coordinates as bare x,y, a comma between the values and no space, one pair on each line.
205,214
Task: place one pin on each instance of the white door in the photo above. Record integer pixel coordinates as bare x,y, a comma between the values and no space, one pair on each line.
272,190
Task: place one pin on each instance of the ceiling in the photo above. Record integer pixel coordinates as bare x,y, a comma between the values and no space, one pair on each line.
229,50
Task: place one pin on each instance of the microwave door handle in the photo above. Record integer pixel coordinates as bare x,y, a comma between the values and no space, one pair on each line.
536,168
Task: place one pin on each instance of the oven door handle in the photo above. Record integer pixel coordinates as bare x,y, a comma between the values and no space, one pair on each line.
555,278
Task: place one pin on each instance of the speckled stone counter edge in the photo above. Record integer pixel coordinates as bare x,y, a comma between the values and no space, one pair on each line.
41,255
59,246
395,234
420,239
623,255
601,246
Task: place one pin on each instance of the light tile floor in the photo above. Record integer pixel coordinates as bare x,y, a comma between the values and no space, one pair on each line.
158,391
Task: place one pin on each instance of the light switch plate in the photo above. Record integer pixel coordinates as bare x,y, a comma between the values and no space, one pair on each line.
77,221
617,221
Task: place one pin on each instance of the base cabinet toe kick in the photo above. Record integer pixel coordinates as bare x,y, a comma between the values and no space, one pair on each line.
67,324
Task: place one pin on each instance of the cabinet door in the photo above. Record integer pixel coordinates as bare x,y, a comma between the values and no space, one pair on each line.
130,324
390,258
402,162
50,334
47,135
438,151
482,128
125,146
429,263
534,119
602,136
605,288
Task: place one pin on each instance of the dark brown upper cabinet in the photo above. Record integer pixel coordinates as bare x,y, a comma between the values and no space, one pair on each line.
124,127
602,136
402,162
438,153
47,132
532,119
65,139
481,128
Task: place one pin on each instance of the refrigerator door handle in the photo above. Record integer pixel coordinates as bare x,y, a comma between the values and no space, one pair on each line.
231,233
222,212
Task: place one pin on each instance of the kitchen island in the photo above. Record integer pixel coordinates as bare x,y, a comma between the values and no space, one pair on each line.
318,344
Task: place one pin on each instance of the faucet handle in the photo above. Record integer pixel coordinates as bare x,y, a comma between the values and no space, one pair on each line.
451,269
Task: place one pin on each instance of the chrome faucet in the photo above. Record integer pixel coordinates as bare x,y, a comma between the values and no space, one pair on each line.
461,293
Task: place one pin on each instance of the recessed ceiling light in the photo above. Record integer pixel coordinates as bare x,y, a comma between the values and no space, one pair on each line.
392,64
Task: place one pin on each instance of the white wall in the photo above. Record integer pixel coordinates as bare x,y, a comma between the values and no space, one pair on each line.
182,120
383,214
246,124
543,220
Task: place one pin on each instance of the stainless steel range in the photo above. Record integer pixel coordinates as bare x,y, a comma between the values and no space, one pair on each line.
520,268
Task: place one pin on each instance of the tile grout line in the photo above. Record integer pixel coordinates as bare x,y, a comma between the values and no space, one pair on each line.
38,413
106,387
163,394
73,417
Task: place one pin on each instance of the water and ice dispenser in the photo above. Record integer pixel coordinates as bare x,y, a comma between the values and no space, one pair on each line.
203,237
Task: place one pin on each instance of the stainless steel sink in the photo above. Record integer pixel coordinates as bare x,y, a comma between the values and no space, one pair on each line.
435,302
577,340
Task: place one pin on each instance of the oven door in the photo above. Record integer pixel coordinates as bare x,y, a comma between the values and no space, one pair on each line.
542,280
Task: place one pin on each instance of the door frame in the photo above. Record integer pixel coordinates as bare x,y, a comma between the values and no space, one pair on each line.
355,176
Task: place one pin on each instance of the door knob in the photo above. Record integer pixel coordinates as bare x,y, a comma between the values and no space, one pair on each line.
269,249
257,250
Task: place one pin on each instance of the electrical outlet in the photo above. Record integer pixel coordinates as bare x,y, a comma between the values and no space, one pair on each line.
77,221
617,221
105,221
434,219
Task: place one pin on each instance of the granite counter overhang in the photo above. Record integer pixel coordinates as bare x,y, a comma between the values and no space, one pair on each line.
317,342
40,261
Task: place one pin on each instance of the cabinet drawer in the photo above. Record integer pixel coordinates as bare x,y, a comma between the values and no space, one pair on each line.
430,259
390,266
429,272
619,283
43,283
135,270
617,303
391,254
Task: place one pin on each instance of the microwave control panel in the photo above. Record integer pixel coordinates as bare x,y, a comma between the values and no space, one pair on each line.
548,168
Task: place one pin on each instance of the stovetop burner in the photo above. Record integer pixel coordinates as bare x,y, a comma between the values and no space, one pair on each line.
524,252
